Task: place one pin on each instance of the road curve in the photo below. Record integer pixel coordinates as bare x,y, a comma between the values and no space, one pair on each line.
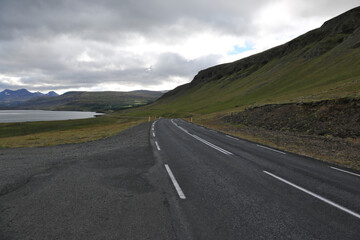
172,179
237,189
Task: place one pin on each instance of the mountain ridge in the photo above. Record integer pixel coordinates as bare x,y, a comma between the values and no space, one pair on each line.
15,97
302,97
303,61
92,101
76,100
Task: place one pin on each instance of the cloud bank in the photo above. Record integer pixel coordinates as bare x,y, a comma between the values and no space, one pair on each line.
125,45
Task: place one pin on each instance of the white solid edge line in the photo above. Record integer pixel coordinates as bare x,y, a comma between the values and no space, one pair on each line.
157,145
204,141
175,183
183,129
270,149
315,195
345,171
172,120
232,137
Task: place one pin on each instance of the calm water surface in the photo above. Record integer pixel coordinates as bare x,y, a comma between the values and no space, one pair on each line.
7,116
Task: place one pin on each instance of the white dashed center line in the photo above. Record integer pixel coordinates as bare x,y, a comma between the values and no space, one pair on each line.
315,195
270,149
175,183
232,137
157,146
338,169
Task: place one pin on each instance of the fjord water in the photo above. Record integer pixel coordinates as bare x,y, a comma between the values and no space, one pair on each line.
7,116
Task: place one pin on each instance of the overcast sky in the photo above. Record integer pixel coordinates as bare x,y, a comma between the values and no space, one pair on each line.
124,45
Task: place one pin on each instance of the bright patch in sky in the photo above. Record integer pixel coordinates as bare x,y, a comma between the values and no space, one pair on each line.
94,45
236,50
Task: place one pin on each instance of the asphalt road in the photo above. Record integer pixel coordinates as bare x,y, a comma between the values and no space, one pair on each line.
109,189
235,189
174,180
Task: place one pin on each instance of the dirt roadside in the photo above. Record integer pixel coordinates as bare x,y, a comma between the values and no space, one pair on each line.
325,130
108,189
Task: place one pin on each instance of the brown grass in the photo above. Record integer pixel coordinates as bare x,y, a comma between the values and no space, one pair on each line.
343,152
52,138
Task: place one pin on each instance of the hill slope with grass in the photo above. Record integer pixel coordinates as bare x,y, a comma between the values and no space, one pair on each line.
302,96
319,65
92,101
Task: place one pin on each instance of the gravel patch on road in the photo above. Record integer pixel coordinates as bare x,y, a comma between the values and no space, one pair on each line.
95,190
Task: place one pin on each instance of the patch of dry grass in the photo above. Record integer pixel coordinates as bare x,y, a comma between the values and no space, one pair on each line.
52,138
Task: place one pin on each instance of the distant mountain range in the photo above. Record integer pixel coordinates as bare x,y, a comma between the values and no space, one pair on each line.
16,97
76,101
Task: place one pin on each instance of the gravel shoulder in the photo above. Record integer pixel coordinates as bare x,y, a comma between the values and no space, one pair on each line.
328,130
108,189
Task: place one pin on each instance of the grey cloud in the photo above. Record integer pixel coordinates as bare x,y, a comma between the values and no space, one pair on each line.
103,19
172,64
40,39
321,8
168,65
112,19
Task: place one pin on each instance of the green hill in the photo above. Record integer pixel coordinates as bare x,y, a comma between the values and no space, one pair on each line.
321,64
302,96
93,101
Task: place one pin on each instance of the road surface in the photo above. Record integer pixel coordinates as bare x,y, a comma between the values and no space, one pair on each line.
235,189
174,180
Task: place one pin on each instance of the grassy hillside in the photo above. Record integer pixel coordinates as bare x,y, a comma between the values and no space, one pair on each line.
302,97
93,101
321,64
